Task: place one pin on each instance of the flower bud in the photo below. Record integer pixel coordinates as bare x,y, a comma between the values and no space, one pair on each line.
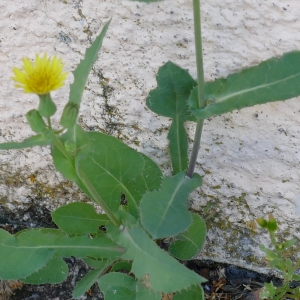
280,247
272,224
35,121
69,115
262,222
47,107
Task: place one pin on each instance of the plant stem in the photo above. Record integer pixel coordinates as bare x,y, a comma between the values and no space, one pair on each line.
273,240
49,123
97,197
62,149
200,74
87,183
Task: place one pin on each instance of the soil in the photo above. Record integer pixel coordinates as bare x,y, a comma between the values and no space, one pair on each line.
224,281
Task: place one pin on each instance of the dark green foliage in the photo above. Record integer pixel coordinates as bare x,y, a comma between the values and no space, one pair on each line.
189,243
170,100
165,213
276,79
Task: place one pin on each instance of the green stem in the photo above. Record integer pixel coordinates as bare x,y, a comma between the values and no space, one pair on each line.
282,293
49,123
87,183
273,240
196,147
200,80
62,149
97,198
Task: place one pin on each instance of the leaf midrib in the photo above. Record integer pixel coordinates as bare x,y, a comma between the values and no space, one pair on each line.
64,247
170,203
262,86
120,183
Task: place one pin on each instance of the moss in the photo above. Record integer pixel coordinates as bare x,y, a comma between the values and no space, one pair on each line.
238,239
216,187
38,188
180,45
135,127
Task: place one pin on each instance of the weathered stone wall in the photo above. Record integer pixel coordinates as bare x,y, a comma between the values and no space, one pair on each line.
249,158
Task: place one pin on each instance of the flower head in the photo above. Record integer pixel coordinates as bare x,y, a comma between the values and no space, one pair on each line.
42,76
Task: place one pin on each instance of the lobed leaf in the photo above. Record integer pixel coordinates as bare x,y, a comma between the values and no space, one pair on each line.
55,271
44,139
148,180
194,293
95,263
82,71
170,100
31,250
19,261
189,243
117,286
112,167
272,80
157,270
121,266
165,212
88,280
78,218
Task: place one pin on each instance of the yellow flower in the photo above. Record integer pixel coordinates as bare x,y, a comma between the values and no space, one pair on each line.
42,76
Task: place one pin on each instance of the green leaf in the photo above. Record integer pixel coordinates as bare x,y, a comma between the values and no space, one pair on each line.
119,286
152,265
83,69
63,163
19,261
194,293
165,212
148,180
32,249
44,139
170,100
88,280
111,168
269,291
296,277
95,263
78,218
189,243
55,271
289,243
121,266
272,80
270,254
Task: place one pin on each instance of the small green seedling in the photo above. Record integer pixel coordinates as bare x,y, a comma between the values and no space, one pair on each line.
277,258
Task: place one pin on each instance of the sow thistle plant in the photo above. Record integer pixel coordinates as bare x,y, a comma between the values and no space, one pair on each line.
103,168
